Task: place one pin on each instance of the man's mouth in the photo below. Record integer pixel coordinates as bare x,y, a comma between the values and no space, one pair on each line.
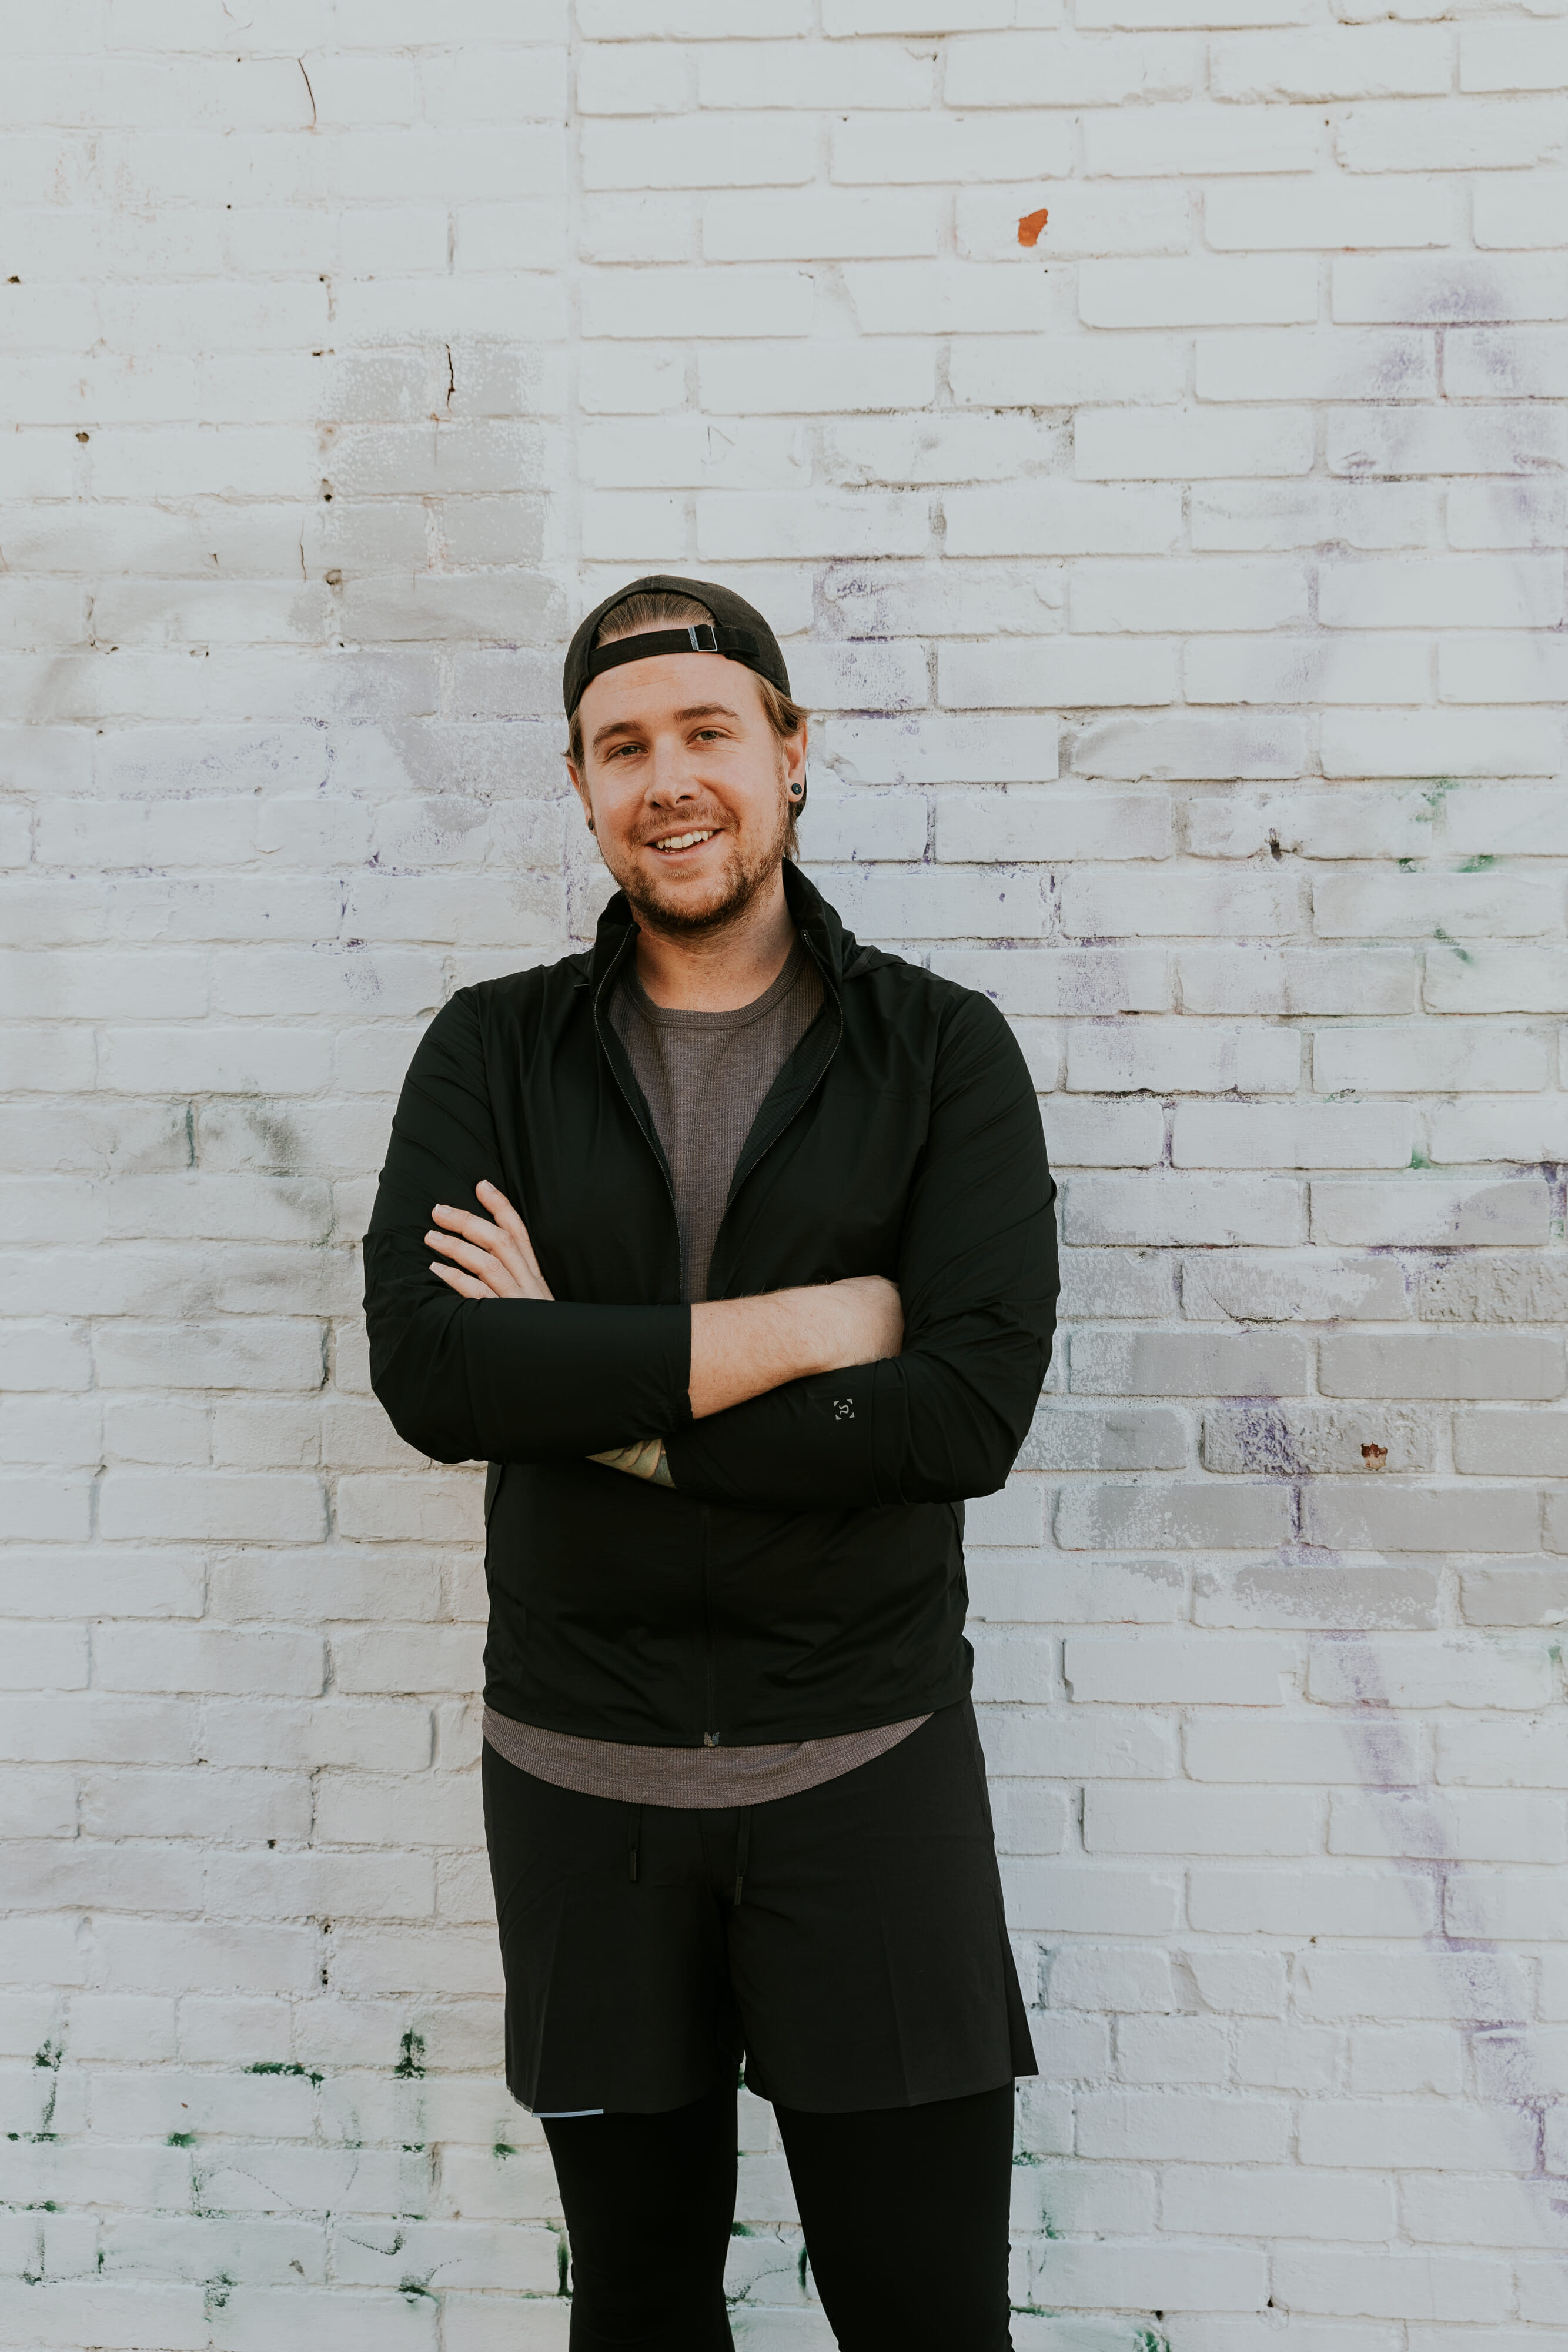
674,843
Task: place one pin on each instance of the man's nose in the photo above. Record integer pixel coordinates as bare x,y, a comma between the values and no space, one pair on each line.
671,778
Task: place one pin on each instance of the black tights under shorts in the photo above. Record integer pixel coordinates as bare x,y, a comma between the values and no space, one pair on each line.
905,2213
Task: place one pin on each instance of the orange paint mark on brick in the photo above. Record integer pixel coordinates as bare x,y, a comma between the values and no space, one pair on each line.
1030,226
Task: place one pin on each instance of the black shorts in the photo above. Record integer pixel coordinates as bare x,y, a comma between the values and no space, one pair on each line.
866,1963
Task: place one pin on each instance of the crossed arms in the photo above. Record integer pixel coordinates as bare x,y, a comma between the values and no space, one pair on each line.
796,1400
741,1348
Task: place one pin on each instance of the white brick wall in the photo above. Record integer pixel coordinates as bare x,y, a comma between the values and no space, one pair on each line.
1182,598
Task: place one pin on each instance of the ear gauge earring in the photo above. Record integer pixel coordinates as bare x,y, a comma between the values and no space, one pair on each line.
592,826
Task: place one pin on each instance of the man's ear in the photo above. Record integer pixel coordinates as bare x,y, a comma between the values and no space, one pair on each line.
580,789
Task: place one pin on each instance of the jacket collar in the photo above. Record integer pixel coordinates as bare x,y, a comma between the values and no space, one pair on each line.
833,948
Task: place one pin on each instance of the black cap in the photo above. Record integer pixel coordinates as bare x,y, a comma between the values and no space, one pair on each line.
740,632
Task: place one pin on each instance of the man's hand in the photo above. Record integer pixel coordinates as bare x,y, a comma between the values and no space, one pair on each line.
490,1261
740,1347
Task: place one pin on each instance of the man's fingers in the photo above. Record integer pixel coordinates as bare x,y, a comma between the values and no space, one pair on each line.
498,1203
462,1220
508,1217
463,1284
488,1265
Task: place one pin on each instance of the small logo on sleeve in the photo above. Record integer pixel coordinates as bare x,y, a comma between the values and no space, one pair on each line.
844,1409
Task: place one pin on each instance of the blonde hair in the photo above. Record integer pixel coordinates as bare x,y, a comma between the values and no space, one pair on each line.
660,608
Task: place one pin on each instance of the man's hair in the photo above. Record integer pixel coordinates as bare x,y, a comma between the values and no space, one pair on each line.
661,609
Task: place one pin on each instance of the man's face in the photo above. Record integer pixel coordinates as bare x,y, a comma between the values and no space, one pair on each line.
687,784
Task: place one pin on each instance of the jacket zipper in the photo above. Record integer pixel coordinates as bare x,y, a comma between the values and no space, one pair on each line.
713,1738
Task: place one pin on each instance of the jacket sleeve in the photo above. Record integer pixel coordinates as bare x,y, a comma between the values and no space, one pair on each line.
978,1278
500,1380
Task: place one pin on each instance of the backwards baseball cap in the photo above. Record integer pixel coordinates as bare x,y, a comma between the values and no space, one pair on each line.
737,630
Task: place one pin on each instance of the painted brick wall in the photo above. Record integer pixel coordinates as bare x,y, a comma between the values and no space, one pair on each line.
1183,601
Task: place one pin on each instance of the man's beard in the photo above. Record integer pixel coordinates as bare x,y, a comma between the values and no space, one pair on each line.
738,884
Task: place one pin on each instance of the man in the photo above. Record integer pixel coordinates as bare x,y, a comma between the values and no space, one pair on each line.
729,1246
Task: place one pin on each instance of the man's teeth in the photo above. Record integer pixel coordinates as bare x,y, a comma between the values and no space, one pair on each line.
684,840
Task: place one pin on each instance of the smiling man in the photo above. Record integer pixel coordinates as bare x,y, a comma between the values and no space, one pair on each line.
729,1246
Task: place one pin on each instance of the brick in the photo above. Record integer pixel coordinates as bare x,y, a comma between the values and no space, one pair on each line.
1524,212
663,302
1312,1288
1065,1439
1296,1748
748,150
1483,1986
1313,669
1428,1211
1481,1828
1453,1055
1349,61
1412,905
1248,216
1061,519
1455,1672
1299,1135
1490,441
1450,2287
1027,980
1392,1596
1520,669
1174,1820
1519,1445
1454,134
1322,362
1287,1438
1195,293
1181,2127
809,74
1186,1363
1433,1363
1066,672
1016,825
903,150
942,747
1182,1056
771,378
1369,1516
1173,595
1198,138
1289,2203
1087,218
1183,745
1173,1669
816,226
1305,1902
1111,444
1092,1134
927,449
1504,1286
1276,515
1108,903
1464,592
1059,370
1261,980
1148,1211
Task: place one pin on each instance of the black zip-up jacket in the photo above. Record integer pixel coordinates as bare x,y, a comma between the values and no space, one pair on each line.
805,1576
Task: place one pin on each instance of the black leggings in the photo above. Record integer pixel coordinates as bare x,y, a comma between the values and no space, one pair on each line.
905,2213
